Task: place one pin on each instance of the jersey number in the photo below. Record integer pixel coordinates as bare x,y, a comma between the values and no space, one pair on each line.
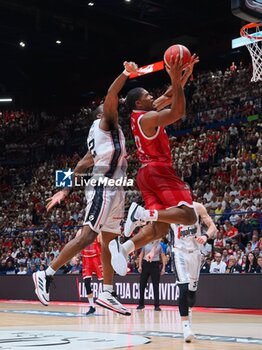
91,146
138,144
195,284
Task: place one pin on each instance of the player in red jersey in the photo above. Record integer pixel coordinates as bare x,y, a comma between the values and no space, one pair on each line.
167,198
91,263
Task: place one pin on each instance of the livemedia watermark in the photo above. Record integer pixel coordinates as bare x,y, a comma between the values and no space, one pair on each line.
66,178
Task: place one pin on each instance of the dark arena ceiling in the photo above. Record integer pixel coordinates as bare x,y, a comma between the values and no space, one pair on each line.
95,40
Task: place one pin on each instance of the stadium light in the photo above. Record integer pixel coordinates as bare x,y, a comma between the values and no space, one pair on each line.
90,3
58,42
22,44
6,99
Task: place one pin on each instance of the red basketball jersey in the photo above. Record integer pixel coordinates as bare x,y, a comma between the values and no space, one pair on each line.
150,149
92,250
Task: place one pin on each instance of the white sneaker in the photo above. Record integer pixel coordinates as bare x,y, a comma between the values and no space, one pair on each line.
42,284
108,301
133,219
188,334
118,257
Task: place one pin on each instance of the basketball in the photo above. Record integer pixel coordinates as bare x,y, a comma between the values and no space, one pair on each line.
174,50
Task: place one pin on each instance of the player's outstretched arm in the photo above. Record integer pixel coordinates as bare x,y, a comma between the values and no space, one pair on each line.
109,118
152,119
212,230
166,99
84,163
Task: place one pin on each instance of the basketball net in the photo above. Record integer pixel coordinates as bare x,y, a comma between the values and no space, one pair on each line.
253,33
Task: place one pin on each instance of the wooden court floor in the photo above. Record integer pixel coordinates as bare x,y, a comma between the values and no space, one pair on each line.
29,325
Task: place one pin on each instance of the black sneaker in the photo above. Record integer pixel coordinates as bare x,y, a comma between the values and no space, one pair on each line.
91,311
157,308
140,307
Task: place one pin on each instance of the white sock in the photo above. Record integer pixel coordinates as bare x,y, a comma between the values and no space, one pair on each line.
50,271
149,215
128,247
190,316
91,300
108,287
185,325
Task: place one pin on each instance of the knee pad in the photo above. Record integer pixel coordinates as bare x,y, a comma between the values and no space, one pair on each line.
191,298
183,299
88,285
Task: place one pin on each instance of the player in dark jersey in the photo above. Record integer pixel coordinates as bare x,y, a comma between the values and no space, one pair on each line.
101,200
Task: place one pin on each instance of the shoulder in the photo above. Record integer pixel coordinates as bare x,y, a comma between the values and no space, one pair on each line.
150,113
147,115
200,209
94,125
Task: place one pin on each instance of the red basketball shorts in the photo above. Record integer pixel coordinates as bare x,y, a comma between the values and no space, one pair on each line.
161,188
92,265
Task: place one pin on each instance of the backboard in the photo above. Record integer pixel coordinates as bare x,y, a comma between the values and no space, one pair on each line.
249,10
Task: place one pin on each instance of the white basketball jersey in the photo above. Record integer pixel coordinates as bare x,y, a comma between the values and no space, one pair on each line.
184,235
108,151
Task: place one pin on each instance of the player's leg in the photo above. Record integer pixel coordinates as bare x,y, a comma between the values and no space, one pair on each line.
194,264
87,271
89,292
182,215
43,279
146,234
184,312
166,196
137,216
144,276
105,258
149,233
73,247
155,277
108,298
181,258
97,267
94,209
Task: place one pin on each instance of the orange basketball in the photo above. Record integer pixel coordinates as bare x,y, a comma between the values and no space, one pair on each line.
174,50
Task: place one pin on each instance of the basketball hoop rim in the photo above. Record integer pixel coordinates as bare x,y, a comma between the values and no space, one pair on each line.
249,36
